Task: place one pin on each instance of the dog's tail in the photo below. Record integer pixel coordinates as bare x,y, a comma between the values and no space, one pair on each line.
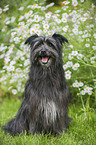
10,127
13,127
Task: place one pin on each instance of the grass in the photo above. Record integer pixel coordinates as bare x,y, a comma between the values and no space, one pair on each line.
82,129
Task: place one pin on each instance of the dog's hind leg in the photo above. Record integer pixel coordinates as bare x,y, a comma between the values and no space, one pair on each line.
18,124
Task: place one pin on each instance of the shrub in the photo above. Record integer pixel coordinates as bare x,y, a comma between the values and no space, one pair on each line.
72,21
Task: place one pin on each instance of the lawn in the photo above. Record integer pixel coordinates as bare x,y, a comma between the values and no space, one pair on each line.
75,19
82,129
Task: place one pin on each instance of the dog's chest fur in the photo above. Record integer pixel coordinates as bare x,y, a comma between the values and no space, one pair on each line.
50,110
48,99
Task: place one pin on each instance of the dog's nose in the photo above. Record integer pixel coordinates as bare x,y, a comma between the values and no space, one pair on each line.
43,52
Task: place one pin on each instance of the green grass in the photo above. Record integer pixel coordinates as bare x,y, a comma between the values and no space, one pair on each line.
82,129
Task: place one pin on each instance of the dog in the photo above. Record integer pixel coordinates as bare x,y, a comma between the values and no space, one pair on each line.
45,104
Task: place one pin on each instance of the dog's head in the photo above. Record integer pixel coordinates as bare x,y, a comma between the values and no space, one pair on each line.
45,50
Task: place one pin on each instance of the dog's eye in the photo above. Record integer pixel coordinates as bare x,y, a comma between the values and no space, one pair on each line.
50,44
39,44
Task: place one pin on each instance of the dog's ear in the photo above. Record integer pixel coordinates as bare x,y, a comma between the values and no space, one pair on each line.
61,39
30,39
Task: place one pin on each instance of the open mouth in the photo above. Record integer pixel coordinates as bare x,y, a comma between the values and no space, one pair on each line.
45,60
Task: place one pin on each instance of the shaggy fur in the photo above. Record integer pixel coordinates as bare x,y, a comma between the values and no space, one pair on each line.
45,104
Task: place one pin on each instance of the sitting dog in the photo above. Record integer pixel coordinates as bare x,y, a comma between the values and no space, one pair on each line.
45,103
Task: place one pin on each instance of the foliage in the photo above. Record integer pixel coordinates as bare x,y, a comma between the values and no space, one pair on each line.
74,20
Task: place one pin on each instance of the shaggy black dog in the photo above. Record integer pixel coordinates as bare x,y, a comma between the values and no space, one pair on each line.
45,103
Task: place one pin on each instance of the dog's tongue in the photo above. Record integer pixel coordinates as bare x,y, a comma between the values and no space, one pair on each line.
44,59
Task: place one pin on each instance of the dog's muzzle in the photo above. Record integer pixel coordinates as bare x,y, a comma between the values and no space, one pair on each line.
45,58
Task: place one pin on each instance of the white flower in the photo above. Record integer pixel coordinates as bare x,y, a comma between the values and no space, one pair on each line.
89,92
82,1
2,56
46,26
5,9
37,18
65,66
70,57
10,68
75,67
58,11
81,84
7,59
2,79
10,88
75,31
82,92
94,35
77,64
58,21
79,56
87,39
50,5
38,31
17,39
93,59
83,19
27,15
88,89
32,31
65,2
65,28
13,33
74,53
8,22
68,72
74,3
87,45
48,15
69,63
3,30
64,15
43,8
94,47
14,91
64,20
77,84
27,62
67,76
12,62
2,47
36,26
74,19
70,46
21,8
12,19
21,18
33,6
74,85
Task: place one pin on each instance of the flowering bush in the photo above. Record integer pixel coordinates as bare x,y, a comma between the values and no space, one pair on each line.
75,21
